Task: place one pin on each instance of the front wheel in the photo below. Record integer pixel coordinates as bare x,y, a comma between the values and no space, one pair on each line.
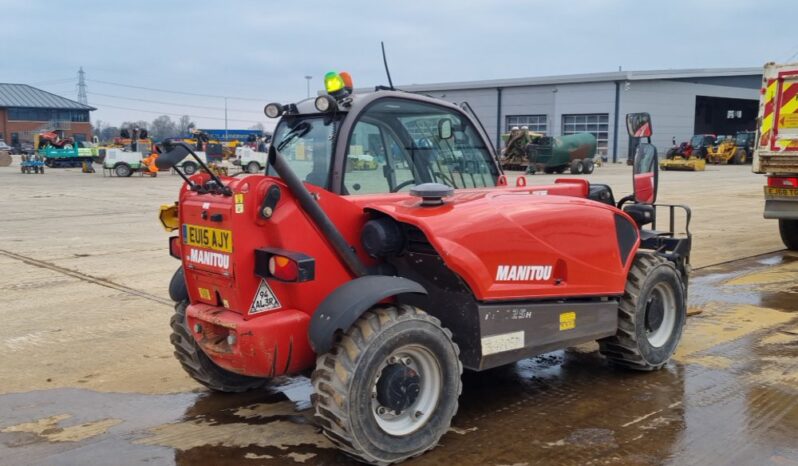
577,167
651,316
123,170
588,166
199,366
190,168
789,233
388,390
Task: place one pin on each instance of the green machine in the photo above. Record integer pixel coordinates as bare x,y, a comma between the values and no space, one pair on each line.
533,152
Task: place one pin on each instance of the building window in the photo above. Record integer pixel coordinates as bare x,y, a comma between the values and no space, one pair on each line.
594,123
536,123
47,114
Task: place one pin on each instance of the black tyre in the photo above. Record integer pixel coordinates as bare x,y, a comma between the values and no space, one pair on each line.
577,167
388,389
562,169
253,167
589,166
549,170
199,366
789,233
738,158
123,170
177,286
651,316
190,168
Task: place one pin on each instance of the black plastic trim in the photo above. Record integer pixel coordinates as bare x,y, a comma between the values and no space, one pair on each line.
626,233
341,308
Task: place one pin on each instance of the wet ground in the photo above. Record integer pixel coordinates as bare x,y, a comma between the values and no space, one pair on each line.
730,396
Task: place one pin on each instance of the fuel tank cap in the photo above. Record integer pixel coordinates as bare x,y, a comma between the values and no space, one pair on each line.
431,194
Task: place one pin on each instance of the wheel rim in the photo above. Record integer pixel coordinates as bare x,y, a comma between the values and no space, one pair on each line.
417,407
660,315
253,168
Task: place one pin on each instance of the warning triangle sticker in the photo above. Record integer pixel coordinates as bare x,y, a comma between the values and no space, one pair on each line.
265,300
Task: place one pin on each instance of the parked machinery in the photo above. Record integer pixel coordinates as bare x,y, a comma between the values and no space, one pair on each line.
732,150
532,152
688,156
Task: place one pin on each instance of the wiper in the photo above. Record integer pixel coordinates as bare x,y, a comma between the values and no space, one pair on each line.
297,132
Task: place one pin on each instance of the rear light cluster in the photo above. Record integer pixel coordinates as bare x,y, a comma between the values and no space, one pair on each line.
286,266
783,182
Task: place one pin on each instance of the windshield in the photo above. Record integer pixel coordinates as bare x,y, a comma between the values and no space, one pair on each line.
307,146
697,140
742,138
399,143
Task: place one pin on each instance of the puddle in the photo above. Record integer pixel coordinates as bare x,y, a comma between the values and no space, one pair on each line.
729,397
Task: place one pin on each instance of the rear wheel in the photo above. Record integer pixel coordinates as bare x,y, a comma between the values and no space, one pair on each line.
651,316
789,233
123,170
577,167
199,366
253,167
388,389
588,166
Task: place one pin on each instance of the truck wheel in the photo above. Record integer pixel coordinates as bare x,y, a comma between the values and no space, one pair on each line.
577,167
199,366
190,168
589,166
738,157
789,233
123,170
253,167
388,389
651,316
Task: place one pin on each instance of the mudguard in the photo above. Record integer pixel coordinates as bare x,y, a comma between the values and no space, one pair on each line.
341,308
177,286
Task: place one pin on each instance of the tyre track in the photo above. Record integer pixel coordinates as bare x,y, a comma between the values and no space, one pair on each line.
86,277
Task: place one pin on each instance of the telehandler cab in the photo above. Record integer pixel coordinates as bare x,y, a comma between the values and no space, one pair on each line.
389,282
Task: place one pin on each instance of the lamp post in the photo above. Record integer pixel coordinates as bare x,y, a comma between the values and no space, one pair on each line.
308,78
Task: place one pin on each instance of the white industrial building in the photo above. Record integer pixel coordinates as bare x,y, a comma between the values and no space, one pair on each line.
681,103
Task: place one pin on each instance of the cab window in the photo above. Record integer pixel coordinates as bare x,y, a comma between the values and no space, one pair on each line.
397,144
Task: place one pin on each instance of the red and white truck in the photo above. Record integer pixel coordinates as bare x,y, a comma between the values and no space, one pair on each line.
776,151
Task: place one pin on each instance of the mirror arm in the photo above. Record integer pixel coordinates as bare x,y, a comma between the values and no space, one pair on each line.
225,190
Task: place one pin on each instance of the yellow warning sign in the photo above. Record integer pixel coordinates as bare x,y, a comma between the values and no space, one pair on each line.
206,294
567,320
790,120
239,203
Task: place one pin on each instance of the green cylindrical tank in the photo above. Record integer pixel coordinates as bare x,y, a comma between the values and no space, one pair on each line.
560,151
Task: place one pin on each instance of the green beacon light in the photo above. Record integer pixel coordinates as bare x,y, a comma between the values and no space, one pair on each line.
333,83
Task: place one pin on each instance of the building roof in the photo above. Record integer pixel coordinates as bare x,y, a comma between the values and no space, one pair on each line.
22,95
588,78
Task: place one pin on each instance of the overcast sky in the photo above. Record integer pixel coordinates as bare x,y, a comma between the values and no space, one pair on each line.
262,50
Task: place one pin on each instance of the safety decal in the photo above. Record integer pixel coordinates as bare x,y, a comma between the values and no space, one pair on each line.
501,343
239,198
265,300
567,320
204,293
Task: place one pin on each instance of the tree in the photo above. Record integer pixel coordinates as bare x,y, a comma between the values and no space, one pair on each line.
163,127
185,125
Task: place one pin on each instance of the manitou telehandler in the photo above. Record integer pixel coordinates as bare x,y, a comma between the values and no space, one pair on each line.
389,282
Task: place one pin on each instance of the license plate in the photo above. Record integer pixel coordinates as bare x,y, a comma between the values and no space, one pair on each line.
781,192
209,238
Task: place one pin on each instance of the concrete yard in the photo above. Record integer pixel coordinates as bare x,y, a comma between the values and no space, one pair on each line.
88,377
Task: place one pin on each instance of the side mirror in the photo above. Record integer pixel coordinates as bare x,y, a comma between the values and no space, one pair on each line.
170,154
638,125
645,174
445,129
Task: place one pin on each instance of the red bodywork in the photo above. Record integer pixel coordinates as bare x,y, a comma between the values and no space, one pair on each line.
475,232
